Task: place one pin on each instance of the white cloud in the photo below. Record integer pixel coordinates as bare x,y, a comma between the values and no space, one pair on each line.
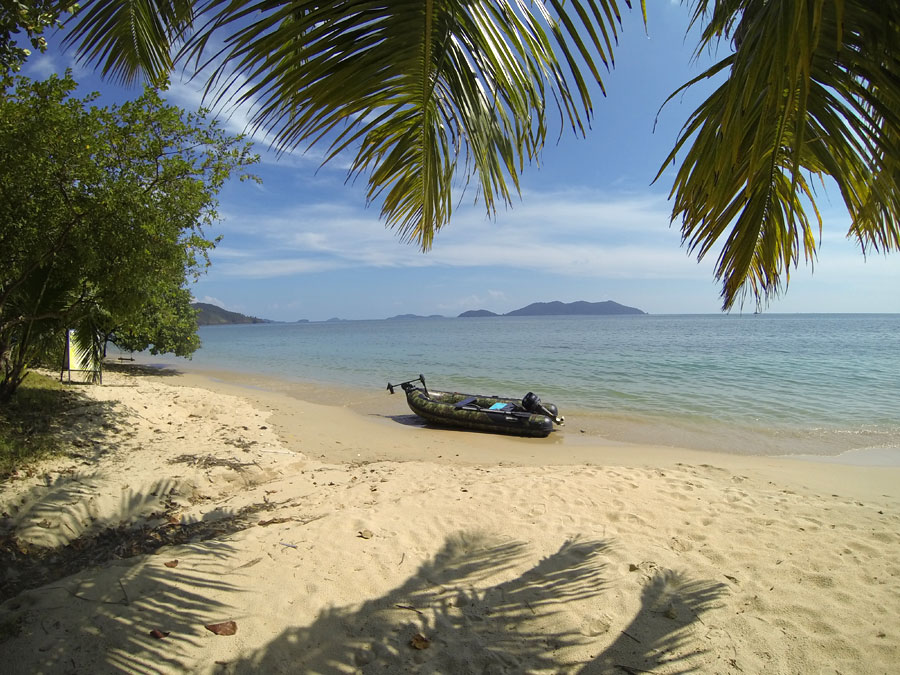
574,234
41,66
274,267
237,118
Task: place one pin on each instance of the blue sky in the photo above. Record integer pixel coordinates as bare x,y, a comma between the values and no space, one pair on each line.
588,226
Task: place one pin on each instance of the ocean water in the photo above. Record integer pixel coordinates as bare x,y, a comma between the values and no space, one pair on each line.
755,384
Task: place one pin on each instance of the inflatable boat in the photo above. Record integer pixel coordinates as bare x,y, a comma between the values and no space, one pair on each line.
495,414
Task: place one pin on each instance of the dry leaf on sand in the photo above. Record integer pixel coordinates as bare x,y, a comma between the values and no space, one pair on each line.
224,628
419,641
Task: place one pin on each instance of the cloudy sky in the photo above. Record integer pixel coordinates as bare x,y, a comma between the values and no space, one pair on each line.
589,225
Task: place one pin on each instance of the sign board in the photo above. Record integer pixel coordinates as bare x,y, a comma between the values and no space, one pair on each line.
77,365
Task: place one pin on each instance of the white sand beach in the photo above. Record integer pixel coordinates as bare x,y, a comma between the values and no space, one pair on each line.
339,540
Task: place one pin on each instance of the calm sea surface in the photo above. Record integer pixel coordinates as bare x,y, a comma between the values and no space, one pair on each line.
756,384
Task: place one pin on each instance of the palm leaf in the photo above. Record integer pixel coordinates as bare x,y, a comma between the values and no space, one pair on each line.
415,87
131,37
813,87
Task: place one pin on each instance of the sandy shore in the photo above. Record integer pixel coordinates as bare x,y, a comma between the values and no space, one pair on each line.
344,539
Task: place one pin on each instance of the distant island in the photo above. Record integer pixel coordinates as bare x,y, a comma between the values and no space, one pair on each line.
213,315
477,312
557,308
416,316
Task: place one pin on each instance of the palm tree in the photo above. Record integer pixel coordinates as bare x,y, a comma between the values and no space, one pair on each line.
418,86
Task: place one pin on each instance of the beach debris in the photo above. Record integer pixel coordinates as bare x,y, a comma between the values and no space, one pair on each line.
223,628
248,564
210,461
632,671
419,641
159,634
365,534
732,579
171,563
273,521
410,608
288,545
630,636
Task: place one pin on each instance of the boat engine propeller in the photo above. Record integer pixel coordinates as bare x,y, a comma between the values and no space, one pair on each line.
408,385
533,404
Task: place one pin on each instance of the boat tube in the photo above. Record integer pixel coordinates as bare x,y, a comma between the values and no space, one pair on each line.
496,414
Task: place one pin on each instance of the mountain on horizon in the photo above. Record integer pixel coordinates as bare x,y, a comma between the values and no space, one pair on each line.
476,313
580,308
416,316
557,308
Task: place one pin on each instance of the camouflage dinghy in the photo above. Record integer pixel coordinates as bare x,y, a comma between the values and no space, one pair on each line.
528,417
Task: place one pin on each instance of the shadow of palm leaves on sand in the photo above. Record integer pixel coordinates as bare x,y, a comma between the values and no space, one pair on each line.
124,602
505,627
125,595
509,627
68,501
661,638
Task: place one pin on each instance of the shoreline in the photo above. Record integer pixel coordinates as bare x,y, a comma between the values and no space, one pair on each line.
653,386
581,431
337,541
354,422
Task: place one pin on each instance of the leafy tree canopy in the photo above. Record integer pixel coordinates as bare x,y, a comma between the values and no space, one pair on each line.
102,215
31,17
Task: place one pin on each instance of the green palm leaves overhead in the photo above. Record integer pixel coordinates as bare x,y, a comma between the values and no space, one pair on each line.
413,87
812,91
434,93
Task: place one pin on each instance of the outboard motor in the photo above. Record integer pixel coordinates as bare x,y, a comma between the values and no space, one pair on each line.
533,404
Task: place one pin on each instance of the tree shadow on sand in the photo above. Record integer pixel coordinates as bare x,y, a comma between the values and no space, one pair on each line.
123,593
142,369
443,619
661,637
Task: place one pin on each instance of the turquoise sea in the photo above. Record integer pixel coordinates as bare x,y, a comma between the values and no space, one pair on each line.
755,384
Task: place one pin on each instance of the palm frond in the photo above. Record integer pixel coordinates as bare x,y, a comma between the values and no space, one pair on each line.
813,87
416,88
131,37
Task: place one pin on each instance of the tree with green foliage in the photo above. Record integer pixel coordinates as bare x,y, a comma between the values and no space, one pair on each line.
102,216
811,91
32,17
